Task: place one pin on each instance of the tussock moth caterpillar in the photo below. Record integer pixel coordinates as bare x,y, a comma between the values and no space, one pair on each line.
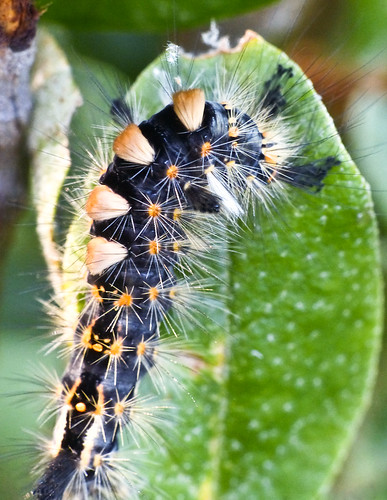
201,161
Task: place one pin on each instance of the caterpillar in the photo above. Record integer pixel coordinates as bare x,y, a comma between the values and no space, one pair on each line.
180,180
200,155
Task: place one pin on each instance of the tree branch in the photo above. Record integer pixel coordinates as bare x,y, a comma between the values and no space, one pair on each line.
18,20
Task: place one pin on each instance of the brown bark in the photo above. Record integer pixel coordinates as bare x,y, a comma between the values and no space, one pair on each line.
18,20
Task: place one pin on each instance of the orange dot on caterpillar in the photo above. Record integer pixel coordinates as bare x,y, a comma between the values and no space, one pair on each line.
153,293
205,149
80,407
96,291
154,210
172,172
141,348
125,300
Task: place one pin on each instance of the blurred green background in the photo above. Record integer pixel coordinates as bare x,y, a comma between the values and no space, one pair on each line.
342,45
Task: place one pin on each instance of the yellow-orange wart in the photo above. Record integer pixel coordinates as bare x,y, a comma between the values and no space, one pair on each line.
154,210
141,348
153,293
205,149
125,300
177,213
250,179
189,107
227,105
116,347
80,407
97,347
96,291
233,132
270,157
231,164
154,247
119,409
172,172
132,146
98,460
86,336
272,176
100,405
70,393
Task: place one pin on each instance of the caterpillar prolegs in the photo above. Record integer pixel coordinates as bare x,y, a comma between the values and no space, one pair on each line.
182,179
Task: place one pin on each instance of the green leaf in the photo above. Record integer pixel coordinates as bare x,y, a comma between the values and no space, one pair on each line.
150,15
